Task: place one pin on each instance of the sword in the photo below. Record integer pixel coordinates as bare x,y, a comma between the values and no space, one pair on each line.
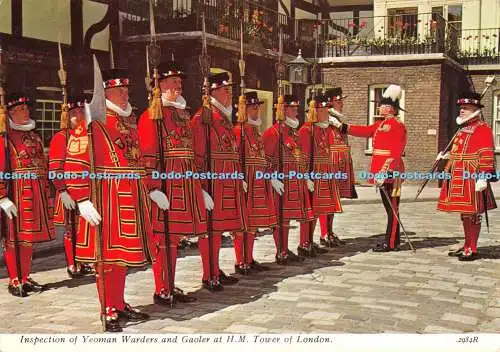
397,217
95,112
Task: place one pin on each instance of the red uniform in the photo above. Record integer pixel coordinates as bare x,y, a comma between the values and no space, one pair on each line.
62,216
124,208
326,197
472,154
30,195
186,214
389,141
296,203
259,195
340,153
227,189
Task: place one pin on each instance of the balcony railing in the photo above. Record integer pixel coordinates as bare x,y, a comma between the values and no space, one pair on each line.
479,46
260,24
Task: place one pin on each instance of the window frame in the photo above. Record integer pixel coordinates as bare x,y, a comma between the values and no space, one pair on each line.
496,120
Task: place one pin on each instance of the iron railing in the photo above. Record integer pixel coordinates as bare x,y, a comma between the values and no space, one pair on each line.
479,46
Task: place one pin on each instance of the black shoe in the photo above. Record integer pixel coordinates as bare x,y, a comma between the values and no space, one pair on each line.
294,257
227,280
306,252
132,314
281,260
212,286
85,269
16,291
181,297
73,274
113,324
336,240
33,286
163,299
318,250
259,267
468,257
242,269
327,242
384,248
456,253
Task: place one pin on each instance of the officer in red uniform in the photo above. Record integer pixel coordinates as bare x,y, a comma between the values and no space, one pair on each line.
259,195
186,211
294,193
340,153
28,216
471,164
228,205
64,204
315,138
389,141
123,215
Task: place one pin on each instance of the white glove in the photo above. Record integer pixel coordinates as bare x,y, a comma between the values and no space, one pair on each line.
245,186
160,199
334,121
481,185
379,180
442,156
89,213
278,186
8,207
209,203
310,185
68,202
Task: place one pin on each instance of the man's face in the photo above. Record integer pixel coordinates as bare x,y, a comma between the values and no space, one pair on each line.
467,109
172,86
387,110
322,114
223,95
338,105
118,96
76,116
253,111
20,114
291,112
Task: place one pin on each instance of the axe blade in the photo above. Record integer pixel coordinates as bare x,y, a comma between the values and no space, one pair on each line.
96,110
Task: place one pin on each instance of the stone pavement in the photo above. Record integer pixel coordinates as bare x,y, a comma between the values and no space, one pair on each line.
350,289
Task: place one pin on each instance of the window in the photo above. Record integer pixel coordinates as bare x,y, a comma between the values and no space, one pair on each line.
455,17
496,121
48,117
403,22
374,97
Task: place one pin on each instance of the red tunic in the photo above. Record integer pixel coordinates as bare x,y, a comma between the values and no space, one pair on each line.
472,152
389,142
187,214
125,212
30,188
229,201
340,152
57,155
296,203
259,196
326,197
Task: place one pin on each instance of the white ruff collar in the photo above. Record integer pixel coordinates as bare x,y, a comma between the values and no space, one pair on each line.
179,103
335,113
461,120
226,111
118,110
324,124
26,127
291,123
257,122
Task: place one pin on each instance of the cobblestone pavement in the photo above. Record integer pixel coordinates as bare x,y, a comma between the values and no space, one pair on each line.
350,289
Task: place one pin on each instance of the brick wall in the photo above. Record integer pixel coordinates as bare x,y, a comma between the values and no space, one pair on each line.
422,84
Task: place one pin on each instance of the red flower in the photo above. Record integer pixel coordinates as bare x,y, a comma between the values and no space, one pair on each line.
362,24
